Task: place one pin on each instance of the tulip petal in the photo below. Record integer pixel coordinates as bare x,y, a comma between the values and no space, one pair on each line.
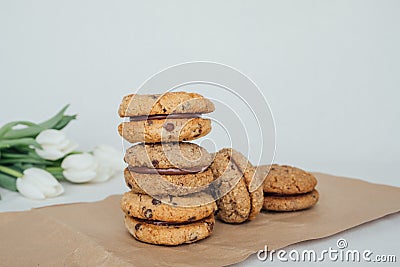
79,162
40,176
42,181
62,145
49,152
79,176
28,190
67,146
58,190
54,144
70,147
103,174
109,160
50,137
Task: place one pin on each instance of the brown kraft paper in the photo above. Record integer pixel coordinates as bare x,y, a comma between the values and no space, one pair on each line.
93,234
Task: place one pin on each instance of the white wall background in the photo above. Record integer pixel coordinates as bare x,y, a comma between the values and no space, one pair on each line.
330,69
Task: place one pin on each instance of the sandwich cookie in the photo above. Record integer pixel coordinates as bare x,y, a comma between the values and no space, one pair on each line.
288,188
167,158
151,221
276,202
173,116
236,174
170,234
148,208
172,185
168,169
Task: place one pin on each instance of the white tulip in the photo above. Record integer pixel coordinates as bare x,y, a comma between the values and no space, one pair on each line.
79,168
109,162
38,184
55,144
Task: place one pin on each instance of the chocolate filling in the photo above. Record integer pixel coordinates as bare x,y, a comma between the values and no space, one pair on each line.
167,171
165,116
162,223
284,195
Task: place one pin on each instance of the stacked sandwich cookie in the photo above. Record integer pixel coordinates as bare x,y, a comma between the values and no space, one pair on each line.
242,193
174,116
166,205
288,188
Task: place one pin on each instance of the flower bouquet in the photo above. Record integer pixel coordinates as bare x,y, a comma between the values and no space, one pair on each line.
34,158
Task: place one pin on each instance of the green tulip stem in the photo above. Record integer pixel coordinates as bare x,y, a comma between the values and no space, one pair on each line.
54,169
10,171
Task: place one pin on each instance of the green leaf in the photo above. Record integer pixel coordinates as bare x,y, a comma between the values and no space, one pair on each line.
50,123
26,160
18,142
64,121
57,172
8,182
33,131
8,127
23,166
7,155
59,176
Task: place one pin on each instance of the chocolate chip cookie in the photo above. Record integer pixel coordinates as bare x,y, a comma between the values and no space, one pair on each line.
168,103
171,234
236,175
161,158
148,208
283,179
278,202
164,130
288,188
174,185
171,117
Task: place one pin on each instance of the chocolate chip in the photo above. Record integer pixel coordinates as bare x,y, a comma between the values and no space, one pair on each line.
169,127
198,132
155,202
148,214
137,226
155,162
210,226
